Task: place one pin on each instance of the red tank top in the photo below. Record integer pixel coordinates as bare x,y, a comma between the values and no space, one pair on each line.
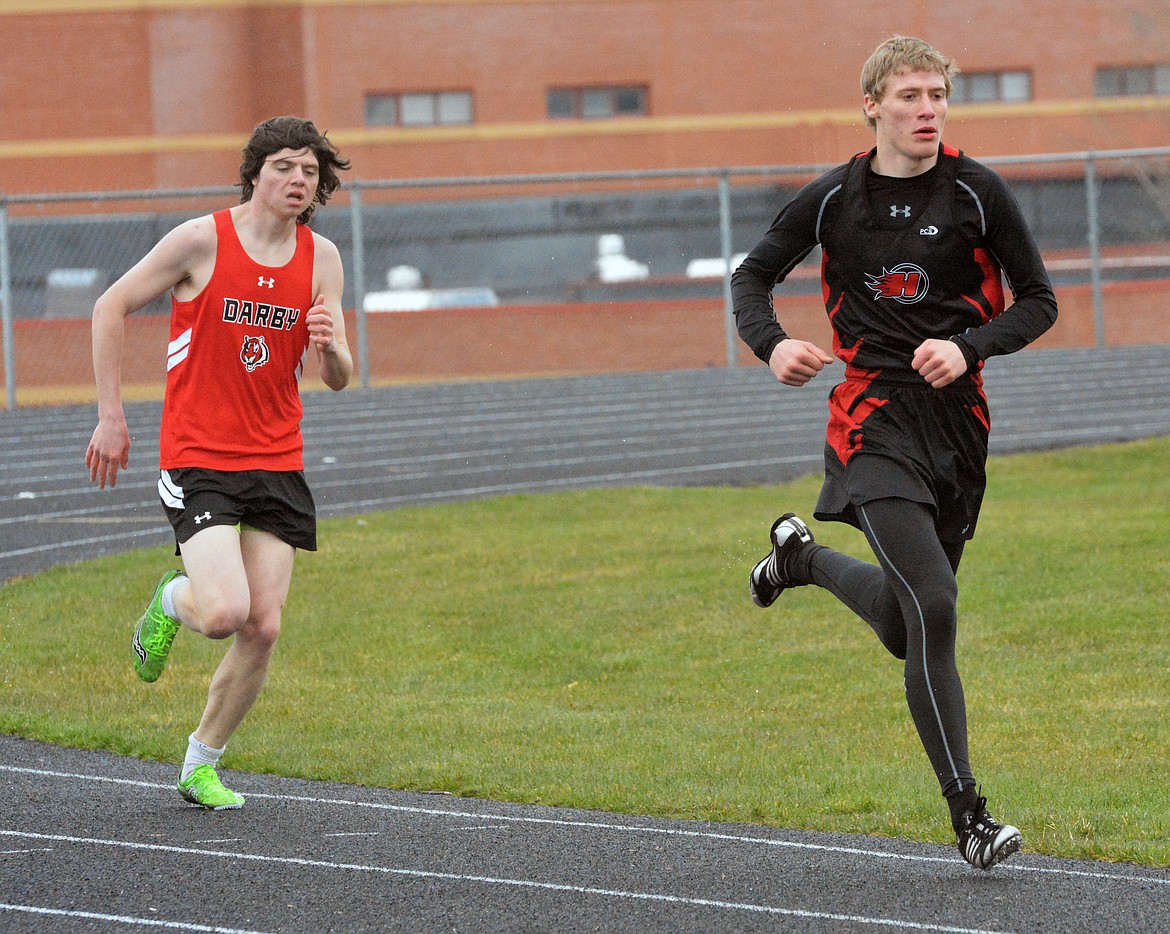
234,362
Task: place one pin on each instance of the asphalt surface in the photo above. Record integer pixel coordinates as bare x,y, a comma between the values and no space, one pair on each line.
94,842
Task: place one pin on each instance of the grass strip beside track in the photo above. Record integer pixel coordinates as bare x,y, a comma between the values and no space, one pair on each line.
599,649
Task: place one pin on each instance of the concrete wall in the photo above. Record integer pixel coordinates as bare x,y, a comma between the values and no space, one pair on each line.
53,361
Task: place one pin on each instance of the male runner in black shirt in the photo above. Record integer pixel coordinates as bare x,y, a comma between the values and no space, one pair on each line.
914,236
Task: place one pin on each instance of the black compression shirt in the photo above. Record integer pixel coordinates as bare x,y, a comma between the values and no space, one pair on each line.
904,260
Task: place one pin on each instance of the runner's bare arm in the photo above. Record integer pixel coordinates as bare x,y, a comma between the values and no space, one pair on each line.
326,321
175,259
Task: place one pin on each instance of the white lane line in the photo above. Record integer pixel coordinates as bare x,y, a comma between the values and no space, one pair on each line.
421,467
619,828
94,520
456,492
355,833
566,483
514,883
77,542
123,919
566,464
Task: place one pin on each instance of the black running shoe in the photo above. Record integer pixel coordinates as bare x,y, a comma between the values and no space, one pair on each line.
769,577
983,840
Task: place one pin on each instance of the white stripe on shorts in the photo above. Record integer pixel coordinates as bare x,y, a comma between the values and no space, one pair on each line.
169,491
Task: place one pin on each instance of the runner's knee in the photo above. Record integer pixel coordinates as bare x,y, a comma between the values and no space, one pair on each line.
931,620
221,617
261,634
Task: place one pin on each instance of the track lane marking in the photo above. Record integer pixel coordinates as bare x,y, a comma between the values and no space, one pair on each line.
532,884
123,919
617,828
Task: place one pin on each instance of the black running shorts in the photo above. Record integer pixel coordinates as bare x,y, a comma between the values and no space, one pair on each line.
278,502
908,442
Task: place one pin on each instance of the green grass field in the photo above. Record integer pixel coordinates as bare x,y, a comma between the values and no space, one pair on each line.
599,649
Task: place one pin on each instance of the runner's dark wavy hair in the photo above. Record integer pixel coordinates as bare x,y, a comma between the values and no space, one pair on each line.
280,133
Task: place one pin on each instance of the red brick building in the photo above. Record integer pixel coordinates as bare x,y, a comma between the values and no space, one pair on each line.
132,94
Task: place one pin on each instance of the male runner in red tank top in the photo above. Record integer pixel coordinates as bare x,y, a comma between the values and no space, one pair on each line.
252,289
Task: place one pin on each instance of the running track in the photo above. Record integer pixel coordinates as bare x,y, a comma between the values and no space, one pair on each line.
384,448
121,852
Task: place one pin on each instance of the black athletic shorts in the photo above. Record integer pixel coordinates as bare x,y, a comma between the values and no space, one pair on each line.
279,502
908,442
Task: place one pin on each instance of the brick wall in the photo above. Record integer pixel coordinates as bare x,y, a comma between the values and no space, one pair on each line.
146,94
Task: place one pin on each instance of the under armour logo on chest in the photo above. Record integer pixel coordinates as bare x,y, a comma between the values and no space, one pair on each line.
896,211
271,282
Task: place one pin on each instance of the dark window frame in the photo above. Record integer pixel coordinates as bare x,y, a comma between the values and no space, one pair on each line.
395,100
565,102
965,82
1132,80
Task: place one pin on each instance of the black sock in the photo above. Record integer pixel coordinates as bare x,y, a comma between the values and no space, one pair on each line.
960,803
796,566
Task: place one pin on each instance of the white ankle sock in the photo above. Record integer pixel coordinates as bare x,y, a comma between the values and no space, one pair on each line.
168,597
199,754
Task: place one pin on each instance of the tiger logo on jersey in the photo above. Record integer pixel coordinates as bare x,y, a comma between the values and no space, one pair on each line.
905,283
254,353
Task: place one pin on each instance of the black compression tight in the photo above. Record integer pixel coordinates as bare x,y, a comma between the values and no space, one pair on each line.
910,602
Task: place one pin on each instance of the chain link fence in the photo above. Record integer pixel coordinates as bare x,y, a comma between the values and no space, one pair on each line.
486,277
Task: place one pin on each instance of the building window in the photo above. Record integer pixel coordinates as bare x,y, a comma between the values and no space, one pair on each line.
1134,80
419,108
984,86
596,103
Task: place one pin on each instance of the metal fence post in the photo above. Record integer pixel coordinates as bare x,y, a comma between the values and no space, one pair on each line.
359,284
729,331
8,314
566,221
1092,197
